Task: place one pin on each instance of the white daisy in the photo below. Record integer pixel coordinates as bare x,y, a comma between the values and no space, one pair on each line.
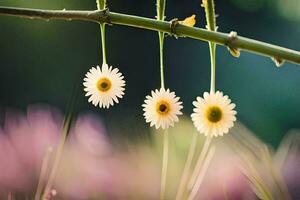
161,108
214,114
104,85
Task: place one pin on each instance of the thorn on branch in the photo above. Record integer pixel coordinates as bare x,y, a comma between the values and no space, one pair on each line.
174,22
231,44
104,16
278,61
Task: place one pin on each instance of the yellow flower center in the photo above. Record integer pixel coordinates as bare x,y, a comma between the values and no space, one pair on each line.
163,107
103,84
214,114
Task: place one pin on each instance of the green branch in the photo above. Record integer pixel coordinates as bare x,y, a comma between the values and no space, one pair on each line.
242,43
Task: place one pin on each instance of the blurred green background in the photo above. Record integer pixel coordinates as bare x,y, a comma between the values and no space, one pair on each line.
42,62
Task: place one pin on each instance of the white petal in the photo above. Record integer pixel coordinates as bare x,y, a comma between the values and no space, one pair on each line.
206,127
157,119
108,98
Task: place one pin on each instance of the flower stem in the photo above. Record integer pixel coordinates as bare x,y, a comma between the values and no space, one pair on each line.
160,9
278,180
58,155
161,55
212,50
43,173
10,196
102,28
209,8
164,165
199,163
187,167
101,5
242,43
202,173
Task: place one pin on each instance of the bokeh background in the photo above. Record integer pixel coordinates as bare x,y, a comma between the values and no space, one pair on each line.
44,62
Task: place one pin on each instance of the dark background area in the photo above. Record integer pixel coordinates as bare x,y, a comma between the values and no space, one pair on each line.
42,62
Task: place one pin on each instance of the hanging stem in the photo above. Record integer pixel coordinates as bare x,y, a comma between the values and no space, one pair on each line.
160,10
275,175
161,55
164,165
187,167
102,28
58,156
101,5
199,162
202,173
212,50
201,167
10,196
43,173
209,8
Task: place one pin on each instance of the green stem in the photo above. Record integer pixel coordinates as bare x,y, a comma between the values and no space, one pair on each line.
187,167
160,9
160,17
101,5
209,8
102,28
164,165
43,173
161,55
212,50
58,156
283,192
202,173
97,16
199,163
10,196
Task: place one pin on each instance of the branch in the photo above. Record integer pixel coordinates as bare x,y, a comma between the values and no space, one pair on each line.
276,52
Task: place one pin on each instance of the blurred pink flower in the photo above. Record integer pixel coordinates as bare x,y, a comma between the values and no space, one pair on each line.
224,178
83,164
25,140
91,168
287,158
12,173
